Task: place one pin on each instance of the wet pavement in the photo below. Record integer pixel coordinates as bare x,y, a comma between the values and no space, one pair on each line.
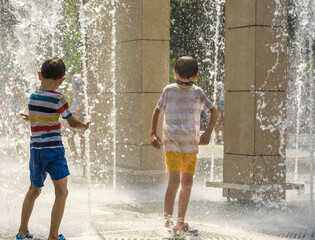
135,211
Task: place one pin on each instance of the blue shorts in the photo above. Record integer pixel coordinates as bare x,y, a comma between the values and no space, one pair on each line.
47,160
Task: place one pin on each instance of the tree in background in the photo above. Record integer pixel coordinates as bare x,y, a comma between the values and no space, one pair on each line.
7,41
72,38
197,30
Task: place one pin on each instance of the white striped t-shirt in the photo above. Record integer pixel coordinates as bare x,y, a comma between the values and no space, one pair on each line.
182,110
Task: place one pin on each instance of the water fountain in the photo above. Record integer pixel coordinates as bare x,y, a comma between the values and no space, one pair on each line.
120,52
303,89
214,15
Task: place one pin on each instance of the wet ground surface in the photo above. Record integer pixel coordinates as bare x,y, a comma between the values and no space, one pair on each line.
135,210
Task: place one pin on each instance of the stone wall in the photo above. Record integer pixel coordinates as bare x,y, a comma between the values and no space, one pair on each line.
255,85
133,51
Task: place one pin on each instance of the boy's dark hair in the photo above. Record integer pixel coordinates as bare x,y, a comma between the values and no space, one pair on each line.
186,67
53,68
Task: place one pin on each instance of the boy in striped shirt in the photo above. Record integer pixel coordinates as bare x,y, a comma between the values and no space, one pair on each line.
182,103
47,152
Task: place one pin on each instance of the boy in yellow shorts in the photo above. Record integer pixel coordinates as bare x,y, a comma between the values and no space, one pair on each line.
182,103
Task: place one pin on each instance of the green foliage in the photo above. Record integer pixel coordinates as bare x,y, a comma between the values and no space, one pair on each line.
172,66
7,41
292,23
295,37
193,33
72,38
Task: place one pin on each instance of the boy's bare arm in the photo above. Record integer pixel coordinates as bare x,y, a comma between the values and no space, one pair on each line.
25,117
75,123
155,140
205,137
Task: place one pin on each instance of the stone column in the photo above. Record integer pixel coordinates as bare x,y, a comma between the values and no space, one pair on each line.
138,36
255,65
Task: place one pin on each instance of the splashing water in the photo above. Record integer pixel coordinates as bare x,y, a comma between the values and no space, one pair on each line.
214,14
35,31
113,71
303,80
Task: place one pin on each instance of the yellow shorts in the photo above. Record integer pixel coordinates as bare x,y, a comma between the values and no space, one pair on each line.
183,162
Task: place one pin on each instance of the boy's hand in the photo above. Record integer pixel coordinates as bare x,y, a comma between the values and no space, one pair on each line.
156,142
25,117
204,138
87,124
75,123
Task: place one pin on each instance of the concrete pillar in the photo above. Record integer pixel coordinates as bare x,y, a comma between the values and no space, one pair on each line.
141,71
255,66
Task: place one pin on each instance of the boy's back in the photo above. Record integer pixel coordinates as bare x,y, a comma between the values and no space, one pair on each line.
182,117
45,107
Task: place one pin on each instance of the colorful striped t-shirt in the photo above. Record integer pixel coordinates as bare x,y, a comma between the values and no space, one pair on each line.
45,108
182,110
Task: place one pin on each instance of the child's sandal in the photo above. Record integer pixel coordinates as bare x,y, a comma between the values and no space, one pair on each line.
28,236
62,237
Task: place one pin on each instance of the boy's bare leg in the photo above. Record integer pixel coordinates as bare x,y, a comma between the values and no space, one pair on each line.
222,126
217,130
27,208
222,132
61,193
170,195
184,196
219,127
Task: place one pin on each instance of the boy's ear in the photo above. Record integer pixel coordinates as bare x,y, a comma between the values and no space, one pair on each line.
40,76
196,77
61,80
